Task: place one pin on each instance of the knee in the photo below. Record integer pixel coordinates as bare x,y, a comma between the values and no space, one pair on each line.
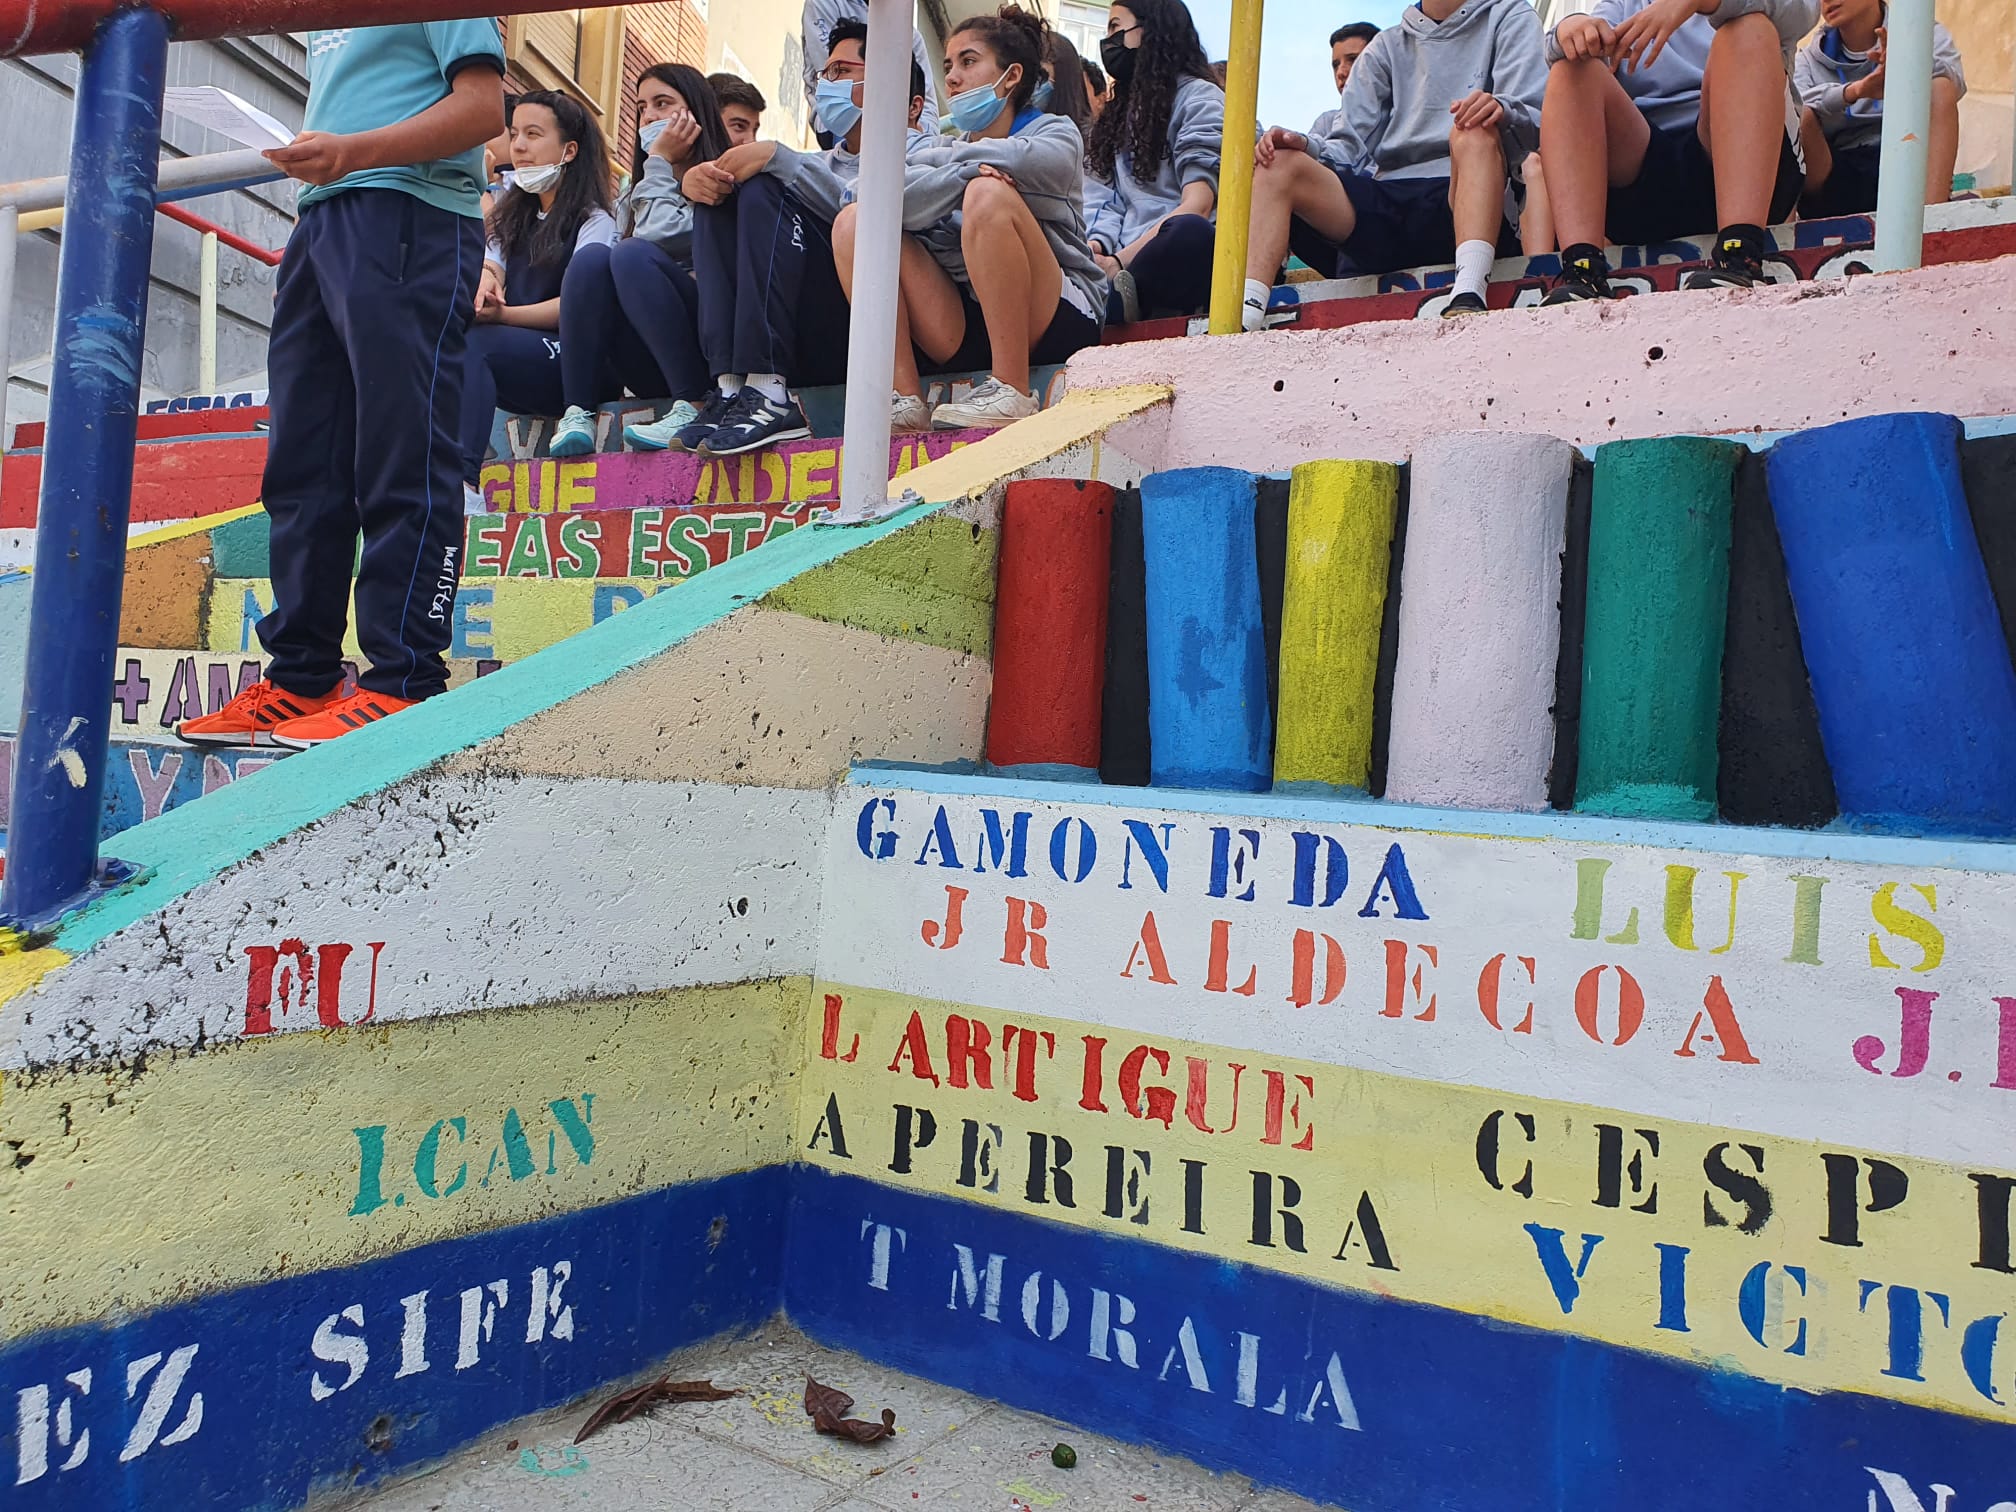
1277,179
1186,232
1945,95
1572,75
988,202
1533,173
1476,147
1752,35
843,225
587,264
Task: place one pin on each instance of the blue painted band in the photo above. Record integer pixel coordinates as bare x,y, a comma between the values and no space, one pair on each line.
1209,720
87,479
1437,1408
339,1378
1903,640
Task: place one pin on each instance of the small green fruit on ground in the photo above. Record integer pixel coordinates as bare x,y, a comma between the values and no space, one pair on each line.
1064,1457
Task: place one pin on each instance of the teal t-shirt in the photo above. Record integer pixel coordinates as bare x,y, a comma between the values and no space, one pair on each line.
364,77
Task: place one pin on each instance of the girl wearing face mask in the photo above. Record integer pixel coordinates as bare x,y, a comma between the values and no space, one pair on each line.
638,305
1157,145
558,204
1013,284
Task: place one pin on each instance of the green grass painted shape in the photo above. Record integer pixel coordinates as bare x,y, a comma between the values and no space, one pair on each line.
1654,627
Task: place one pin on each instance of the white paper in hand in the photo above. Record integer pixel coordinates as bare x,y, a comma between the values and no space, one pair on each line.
227,115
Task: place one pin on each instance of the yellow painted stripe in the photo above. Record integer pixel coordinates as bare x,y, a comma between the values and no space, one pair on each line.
126,1188
21,969
1512,1208
182,529
1078,416
1340,536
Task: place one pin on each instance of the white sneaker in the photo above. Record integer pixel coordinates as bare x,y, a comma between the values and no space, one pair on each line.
574,436
908,414
991,403
659,434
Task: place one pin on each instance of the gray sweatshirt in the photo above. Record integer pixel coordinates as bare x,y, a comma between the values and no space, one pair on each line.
1393,120
817,23
1669,92
1825,68
1195,135
823,182
1046,158
658,211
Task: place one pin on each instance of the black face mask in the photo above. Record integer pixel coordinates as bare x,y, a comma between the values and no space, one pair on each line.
1117,56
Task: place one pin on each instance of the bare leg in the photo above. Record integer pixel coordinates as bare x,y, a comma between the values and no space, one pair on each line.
1536,219
1819,156
1295,185
1743,117
1942,148
1476,184
1593,139
912,288
1014,274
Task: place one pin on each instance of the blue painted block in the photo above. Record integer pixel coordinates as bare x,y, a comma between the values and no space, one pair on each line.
1346,1397
249,1398
1903,641
1210,723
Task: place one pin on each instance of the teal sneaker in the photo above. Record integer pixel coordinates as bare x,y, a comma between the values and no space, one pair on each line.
574,436
660,434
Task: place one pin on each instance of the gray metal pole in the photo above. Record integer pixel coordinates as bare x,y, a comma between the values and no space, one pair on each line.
1907,122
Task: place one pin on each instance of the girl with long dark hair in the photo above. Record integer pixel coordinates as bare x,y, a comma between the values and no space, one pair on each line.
558,204
1156,144
1014,284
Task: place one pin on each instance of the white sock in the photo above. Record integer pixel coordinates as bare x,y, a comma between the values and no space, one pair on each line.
1473,266
1253,311
730,384
771,387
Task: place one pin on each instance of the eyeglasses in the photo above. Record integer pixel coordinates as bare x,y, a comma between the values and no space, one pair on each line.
833,73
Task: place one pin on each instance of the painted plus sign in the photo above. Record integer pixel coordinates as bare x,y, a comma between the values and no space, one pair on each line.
130,693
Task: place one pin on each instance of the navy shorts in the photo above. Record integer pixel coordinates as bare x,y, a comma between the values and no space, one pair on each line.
1070,330
1851,185
1674,193
1401,223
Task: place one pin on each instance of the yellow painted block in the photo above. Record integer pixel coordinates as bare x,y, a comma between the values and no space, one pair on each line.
281,1156
1782,1259
494,619
182,529
22,969
1078,416
1340,536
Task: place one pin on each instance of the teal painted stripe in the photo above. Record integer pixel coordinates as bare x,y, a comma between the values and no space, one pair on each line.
1578,829
187,846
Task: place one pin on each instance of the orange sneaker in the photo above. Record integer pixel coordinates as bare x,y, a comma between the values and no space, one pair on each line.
251,718
339,717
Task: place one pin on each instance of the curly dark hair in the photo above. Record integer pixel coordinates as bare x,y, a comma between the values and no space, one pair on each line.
584,188
1136,119
697,90
1013,35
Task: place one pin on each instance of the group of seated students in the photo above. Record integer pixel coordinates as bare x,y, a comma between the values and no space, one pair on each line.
1054,196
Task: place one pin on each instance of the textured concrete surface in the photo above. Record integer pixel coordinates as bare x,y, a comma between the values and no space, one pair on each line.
758,1453
1650,365
165,594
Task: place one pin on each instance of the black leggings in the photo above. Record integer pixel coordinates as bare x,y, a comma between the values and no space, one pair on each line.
1173,272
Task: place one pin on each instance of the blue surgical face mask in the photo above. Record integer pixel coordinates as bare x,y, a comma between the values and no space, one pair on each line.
833,106
977,108
1044,92
648,134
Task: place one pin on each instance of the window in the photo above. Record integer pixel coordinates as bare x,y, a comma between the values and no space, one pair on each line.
580,51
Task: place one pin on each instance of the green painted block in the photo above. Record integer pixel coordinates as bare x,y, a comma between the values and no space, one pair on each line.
1654,625
934,584
238,548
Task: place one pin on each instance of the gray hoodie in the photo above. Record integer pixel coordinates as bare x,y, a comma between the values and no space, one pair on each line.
1046,159
1393,119
657,210
1825,68
1669,92
1195,135
823,182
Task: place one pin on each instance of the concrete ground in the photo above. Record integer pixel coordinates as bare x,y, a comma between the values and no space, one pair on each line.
758,1453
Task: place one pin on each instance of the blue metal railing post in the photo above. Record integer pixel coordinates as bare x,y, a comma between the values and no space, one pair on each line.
87,474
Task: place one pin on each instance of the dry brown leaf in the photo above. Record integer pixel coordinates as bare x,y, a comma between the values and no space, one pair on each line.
625,1405
828,1409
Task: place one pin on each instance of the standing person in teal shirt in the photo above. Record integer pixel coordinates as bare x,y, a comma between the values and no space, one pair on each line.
372,315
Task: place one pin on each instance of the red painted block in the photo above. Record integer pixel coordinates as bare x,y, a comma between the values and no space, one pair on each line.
172,480
1050,623
168,426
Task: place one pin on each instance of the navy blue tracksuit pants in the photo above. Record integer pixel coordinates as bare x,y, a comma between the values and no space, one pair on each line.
365,372
770,298
627,321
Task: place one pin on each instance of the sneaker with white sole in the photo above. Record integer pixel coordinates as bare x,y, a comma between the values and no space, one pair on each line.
908,414
574,436
754,420
659,434
991,403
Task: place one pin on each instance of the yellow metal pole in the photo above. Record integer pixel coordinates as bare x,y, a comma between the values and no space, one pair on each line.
41,220
1235,168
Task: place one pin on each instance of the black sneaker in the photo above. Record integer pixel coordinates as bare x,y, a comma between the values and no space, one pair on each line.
1584,278
1463,303
754,421
693,436
1729,270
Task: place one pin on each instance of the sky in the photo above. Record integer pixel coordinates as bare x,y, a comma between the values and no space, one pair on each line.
1295,82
